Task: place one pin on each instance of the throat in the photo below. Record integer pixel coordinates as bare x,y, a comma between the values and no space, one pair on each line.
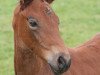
27,63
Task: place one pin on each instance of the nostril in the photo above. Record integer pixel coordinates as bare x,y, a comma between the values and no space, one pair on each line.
63,64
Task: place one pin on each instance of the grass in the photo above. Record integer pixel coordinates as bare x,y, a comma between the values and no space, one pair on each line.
79,20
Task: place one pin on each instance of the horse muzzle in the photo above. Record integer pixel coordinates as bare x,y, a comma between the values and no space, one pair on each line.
60,64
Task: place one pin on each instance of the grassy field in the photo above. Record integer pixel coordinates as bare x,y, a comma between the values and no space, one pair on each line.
79,21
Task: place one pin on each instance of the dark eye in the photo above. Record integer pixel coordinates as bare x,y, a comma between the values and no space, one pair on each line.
33,23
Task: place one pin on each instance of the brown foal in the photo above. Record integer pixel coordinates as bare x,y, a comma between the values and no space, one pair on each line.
39,48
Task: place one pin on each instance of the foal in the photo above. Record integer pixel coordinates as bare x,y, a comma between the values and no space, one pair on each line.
39,49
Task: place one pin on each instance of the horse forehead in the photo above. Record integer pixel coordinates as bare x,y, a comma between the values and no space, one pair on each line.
41,9
40,4
36,8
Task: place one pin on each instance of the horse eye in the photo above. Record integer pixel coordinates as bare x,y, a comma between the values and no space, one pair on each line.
32,23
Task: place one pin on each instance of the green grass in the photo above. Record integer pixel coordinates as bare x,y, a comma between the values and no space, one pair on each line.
79,21
6,37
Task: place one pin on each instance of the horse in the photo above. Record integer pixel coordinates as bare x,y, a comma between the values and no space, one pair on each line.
38,47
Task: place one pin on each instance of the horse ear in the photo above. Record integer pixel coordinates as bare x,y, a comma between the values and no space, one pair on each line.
25,3
49,1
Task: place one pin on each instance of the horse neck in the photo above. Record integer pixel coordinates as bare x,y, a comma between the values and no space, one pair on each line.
85,58
28,63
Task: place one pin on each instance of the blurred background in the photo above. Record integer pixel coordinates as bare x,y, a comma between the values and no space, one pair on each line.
79,21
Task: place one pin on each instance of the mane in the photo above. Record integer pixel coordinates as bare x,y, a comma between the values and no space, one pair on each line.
25,3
